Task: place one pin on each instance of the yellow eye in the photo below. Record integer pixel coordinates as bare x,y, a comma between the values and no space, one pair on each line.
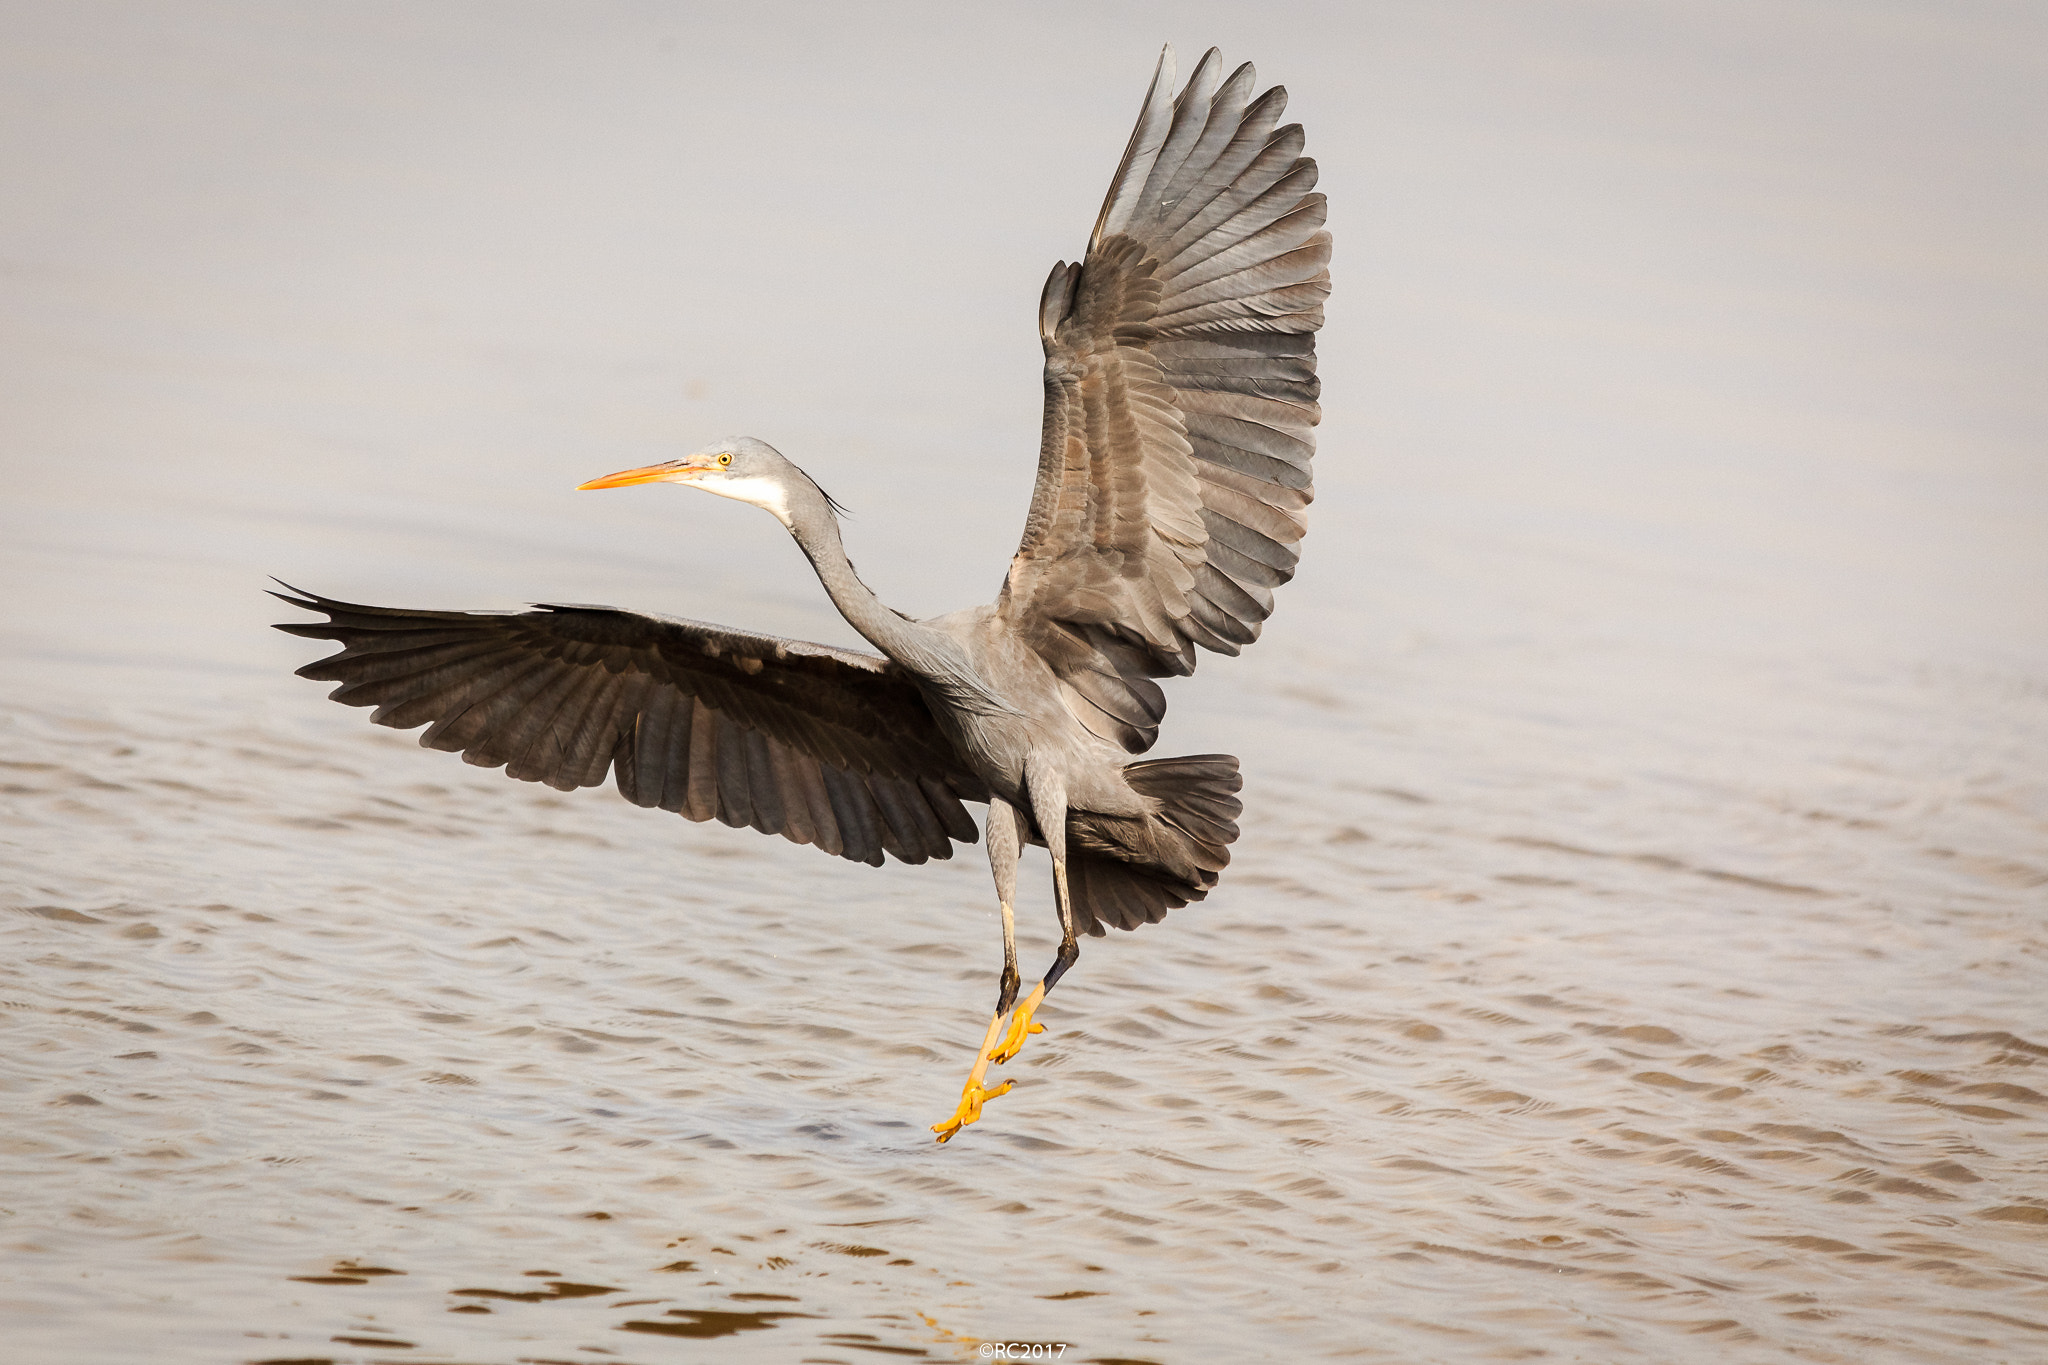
724,460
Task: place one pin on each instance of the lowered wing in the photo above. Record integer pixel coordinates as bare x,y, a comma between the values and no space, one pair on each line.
823,746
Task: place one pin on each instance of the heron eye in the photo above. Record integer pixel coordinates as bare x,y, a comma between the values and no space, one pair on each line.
724,460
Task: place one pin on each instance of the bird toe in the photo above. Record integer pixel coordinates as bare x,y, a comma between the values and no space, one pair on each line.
971,1100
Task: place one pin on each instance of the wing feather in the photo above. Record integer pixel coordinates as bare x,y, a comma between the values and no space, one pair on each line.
701,797
539,741
795,823
1181,402
819,802
1190,120
859,824
735,800
822,746
644,780
1226,116
1257,160
1140,152
506,696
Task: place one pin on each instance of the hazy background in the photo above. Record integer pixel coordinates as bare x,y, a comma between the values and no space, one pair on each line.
1742,303
1674,618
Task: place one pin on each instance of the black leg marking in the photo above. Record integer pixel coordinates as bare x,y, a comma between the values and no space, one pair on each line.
1070,953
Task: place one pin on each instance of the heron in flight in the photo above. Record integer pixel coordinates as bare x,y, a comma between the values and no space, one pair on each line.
1173,477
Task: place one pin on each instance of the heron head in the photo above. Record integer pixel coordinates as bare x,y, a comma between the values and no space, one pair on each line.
737,467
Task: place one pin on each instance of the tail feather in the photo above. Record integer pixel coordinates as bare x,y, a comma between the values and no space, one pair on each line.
1198,797
1107,892
1131,872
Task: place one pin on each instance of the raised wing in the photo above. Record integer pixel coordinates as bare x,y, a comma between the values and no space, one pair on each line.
822,746
1180,404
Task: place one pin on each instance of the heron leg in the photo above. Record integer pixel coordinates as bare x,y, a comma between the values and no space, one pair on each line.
1049,806
1004,848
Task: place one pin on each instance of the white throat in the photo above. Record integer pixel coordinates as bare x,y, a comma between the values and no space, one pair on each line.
765,493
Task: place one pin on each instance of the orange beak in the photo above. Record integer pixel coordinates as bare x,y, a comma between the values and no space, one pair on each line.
652,473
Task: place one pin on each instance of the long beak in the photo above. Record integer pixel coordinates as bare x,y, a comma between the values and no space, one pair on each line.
645,474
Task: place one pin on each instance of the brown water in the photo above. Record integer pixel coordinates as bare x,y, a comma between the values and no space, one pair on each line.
1635,951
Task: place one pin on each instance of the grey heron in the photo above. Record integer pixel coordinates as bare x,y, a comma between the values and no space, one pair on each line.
1173,478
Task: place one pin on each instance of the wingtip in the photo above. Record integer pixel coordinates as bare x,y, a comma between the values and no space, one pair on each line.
1151,114
298,597
1164,73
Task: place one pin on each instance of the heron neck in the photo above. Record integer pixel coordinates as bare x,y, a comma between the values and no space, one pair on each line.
896,635
944,672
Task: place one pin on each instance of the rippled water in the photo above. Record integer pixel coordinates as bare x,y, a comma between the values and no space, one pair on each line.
1635,950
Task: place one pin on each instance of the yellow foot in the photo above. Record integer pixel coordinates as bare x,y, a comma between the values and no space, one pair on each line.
974,1094
971,1100
1020,1026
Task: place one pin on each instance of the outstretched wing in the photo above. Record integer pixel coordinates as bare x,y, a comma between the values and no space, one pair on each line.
1180,404
822,746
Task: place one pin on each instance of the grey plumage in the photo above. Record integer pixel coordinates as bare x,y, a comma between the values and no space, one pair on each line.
1174,474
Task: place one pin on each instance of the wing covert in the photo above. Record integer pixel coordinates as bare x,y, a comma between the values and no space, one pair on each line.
823,746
